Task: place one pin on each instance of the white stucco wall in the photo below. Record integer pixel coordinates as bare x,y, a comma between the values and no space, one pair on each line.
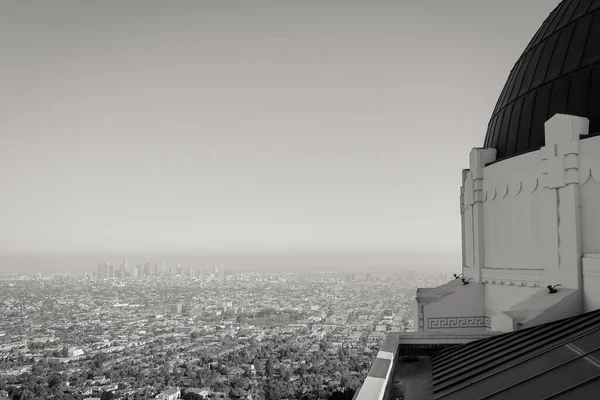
591,282
465,302
568,305
468,240
499,298
414,308
502,323
512,215
589,159
529,219
530,205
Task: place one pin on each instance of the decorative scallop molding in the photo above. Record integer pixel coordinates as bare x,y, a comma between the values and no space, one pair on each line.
503,191
517,188
513,277
589,167
532,186
584,175
494,194
513,176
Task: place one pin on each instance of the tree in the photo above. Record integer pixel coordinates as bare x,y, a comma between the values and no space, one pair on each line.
258,365
27,395
345,395
54,381
273,390
285,373
191,396
325,345
98,360
270,369
108,396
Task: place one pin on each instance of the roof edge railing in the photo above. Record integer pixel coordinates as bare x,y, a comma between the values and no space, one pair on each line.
376,383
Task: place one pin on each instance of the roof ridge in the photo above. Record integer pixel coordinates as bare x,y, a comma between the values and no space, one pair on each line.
502,337
546,340
533,356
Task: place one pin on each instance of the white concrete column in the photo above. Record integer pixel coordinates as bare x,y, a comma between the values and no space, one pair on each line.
468,217
478,158
561,224
465,175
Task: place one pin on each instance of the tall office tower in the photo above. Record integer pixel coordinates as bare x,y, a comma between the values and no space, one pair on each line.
111,271
125,268
179,271
147,268
219,271
177,308
163,267
103,270
136,272
156,270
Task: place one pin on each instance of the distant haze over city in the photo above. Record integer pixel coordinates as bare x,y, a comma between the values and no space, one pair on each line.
242,261
299,199
175,126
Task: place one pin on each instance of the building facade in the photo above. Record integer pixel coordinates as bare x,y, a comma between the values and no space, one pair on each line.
527,295
530,199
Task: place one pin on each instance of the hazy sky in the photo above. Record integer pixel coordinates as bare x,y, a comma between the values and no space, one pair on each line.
185,125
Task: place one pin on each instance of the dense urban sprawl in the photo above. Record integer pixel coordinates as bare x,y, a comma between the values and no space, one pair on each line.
198,335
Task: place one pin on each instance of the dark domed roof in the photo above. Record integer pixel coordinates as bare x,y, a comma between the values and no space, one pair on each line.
557,73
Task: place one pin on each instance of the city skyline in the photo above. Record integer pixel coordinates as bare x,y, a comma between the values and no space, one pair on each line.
214,126
236,262
303,200
191,328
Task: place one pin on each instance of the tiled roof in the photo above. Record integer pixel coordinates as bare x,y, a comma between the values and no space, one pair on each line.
170,392
556,74
557,360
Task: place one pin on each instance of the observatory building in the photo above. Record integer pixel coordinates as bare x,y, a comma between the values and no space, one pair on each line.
523,310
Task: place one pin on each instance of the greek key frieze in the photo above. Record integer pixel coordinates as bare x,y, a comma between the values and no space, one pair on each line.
459,322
